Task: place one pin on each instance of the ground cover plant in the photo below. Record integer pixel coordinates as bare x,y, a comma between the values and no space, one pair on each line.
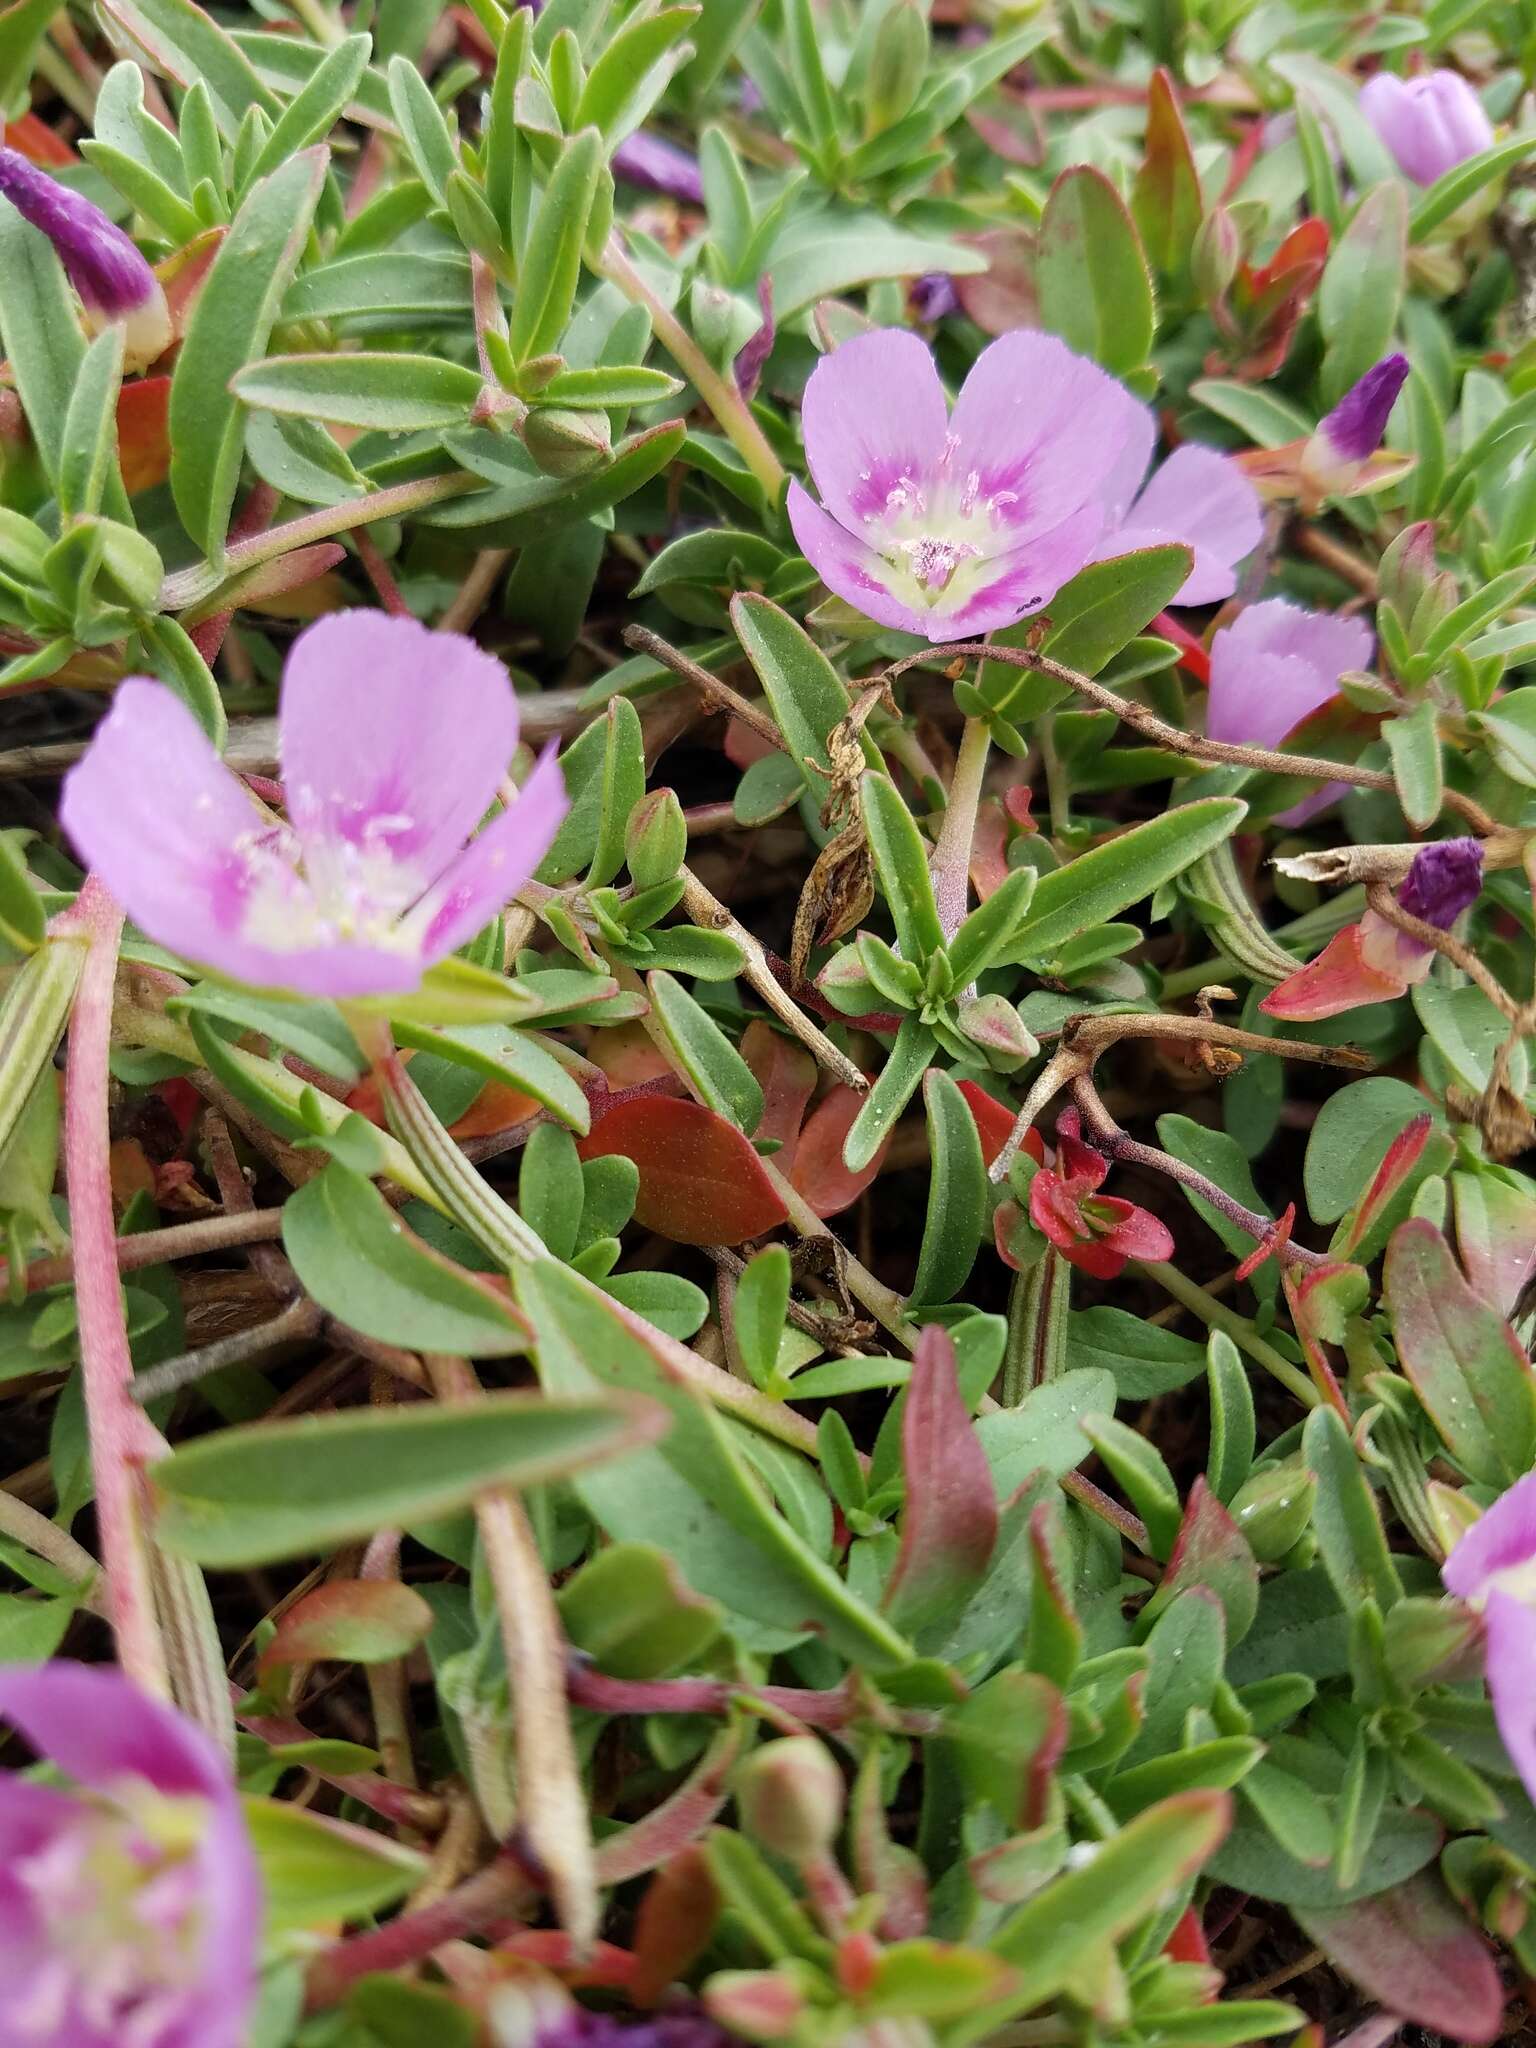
767,836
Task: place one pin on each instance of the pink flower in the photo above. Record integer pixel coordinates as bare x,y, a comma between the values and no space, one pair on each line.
1270,669
110,276
1493,1567
948,525
1431,124
130,1906
1096,1232
1372,961
394,743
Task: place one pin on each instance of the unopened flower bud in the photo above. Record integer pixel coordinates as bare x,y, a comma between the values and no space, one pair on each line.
566,444
1432,1642
790,1797
1217,254
760,2005
1452,1513
110,277
897,65
1335,458
719,321
992,1023
1408,566
1273,1508
656,839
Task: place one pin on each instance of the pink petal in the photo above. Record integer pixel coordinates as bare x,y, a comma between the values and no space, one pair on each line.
1510,1663
1502,1537
1340,978
1274,666
1021,581
1202,499
395,732
855,572
1047,426
495,865
873,414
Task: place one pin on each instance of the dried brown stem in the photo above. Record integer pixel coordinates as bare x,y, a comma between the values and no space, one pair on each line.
1387,907
719,696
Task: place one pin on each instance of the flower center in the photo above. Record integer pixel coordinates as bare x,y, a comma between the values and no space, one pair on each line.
116,1898
933,562
1518,1580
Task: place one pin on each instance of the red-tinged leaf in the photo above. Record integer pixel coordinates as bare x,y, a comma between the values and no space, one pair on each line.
700,1180
1307,1316
1002,296
679,1820
1165,202
1339,979
819,1173
1210,1551
883,1868
1135,1233
674,1923
1412,1949
994,1120
1465,1362
1272,1242
1008,1738
786,1073
989,850
143,436
495,1109
268,586
1394,1174
597,1965
36,141
1187,1943
350,1621
1496,1237
184,274
1270,301
949,1521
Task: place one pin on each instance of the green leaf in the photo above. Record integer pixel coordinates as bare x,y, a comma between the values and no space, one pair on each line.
1230,1457
1142,1475
1349,1139
1165,200
693,1493
986,932
893,1090
1463,183
314,110
275,1490
720,1076
422,127
40,330
23,26
1145,1359
551,264
629,75
836,252
530,505
395,394
1465,1362
1350,1539
959,1203
1091,274
1101,883
629,1611
1413,742
230,325
621,787
805,693
357,1259
760,1306
185,44
901,861
317,1872
88,456
1044,1429
1362,288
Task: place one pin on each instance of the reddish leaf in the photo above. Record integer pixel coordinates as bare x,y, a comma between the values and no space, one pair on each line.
1187,1943
1411,1949
36,141
1002,296
700,1180
350,1621
1166,203
1192,652
675,1921
1268,302
949,1522
994,1120
1496,1237
1313,1311
819,1173
786,1073
143,437
1339,979
1211,1552
1392,1176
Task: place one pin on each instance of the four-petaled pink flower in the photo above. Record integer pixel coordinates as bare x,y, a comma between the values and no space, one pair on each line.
1096,1232
1274,666
1493,1567
110,276
950,524
1430,124
394,743
1372,961
130,1905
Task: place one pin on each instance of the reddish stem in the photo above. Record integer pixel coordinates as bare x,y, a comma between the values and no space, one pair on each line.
122,1440
380,575
490,1895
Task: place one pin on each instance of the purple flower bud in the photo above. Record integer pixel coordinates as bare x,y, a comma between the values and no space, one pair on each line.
1443,882
111,277
1336,455
659,166
933,295
751,357
1430,124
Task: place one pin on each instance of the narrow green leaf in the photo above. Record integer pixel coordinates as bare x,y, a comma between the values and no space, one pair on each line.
393,394
958,1194
1101,883
717,1070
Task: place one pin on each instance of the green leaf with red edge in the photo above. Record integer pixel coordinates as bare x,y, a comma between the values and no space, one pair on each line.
1212,1552
949,1519
1495,1235
1095,289
350,1621
700,1180
1466,1364
1165,200
1414,1155
1008,1738
1413,1949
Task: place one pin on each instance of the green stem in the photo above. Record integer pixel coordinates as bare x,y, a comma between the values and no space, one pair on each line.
1219,1317
1058,789
951,863
731,411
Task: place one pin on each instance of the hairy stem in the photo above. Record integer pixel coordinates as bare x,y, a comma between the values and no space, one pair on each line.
951,863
